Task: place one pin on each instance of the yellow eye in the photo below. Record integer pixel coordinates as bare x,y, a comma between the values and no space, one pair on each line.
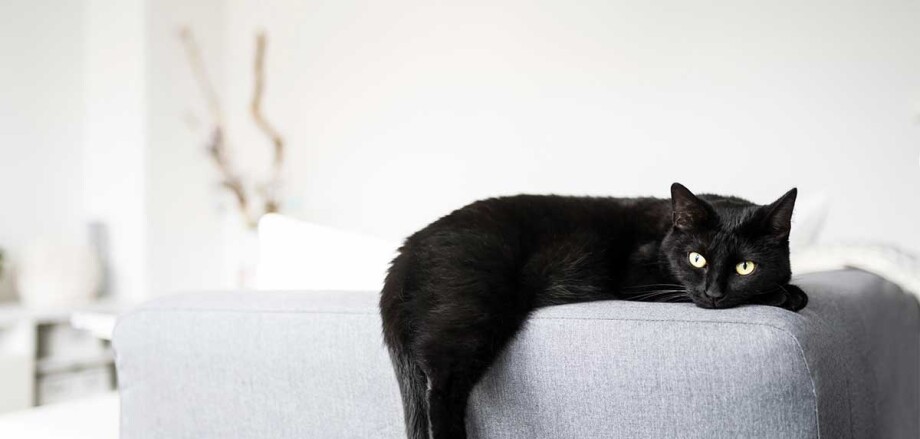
697,260
745,268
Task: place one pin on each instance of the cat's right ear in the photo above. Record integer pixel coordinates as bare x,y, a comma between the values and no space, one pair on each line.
779,214
688,211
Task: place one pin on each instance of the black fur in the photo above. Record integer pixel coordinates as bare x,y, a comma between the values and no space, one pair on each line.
462,287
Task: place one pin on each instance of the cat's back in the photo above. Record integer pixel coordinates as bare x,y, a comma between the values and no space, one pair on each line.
534,214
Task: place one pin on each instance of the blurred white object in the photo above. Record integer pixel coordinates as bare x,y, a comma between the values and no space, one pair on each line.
54,274
17,360
100,324
808,219
241,253
897,266
297,255
89,418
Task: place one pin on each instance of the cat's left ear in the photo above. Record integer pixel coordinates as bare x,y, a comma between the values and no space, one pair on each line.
779,214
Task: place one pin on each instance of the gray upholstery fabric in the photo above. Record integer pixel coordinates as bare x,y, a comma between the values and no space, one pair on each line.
312,365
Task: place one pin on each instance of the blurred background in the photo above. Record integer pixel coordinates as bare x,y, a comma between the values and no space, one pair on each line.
394,113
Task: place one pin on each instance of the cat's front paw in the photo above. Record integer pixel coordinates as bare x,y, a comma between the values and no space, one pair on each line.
795,298
788,297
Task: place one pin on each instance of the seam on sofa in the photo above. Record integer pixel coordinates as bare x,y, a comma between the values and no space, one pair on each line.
811,377
782,330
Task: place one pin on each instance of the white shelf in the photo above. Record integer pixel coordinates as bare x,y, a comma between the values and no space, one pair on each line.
44,358
14,313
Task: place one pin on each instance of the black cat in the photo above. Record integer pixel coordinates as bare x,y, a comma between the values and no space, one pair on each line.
462,287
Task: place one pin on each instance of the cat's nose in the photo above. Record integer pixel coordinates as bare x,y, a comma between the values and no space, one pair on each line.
714,293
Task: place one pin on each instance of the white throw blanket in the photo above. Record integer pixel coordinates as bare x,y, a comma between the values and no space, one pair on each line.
890,263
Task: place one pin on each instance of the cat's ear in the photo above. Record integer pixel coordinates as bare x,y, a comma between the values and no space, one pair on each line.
779,214
688,211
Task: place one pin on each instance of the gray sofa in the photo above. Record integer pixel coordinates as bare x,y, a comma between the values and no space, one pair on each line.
312,365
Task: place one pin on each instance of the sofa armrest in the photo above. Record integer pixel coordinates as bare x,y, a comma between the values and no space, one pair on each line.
255,365
292,365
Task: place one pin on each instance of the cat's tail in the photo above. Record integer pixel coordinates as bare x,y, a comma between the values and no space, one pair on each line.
413,386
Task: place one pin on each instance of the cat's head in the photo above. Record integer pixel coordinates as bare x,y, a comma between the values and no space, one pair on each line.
726,251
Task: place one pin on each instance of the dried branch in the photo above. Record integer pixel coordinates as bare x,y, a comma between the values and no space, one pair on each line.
201,74
231,181
217,147
271,189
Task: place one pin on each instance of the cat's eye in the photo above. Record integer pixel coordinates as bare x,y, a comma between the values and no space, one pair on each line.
697,260
745,268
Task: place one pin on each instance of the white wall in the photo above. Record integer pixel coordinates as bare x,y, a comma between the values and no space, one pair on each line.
397,112
115,143
95,98
41,116
400,111
71,128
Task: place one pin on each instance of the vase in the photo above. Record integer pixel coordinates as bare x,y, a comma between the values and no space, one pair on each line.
241,258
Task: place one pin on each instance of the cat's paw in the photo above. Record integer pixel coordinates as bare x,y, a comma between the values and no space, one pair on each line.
788,297
795,298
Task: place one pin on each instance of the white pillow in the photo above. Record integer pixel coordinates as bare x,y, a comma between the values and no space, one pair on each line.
808,220
297,255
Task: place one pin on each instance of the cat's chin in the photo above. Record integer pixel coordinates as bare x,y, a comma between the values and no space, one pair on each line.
708,303
705,305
